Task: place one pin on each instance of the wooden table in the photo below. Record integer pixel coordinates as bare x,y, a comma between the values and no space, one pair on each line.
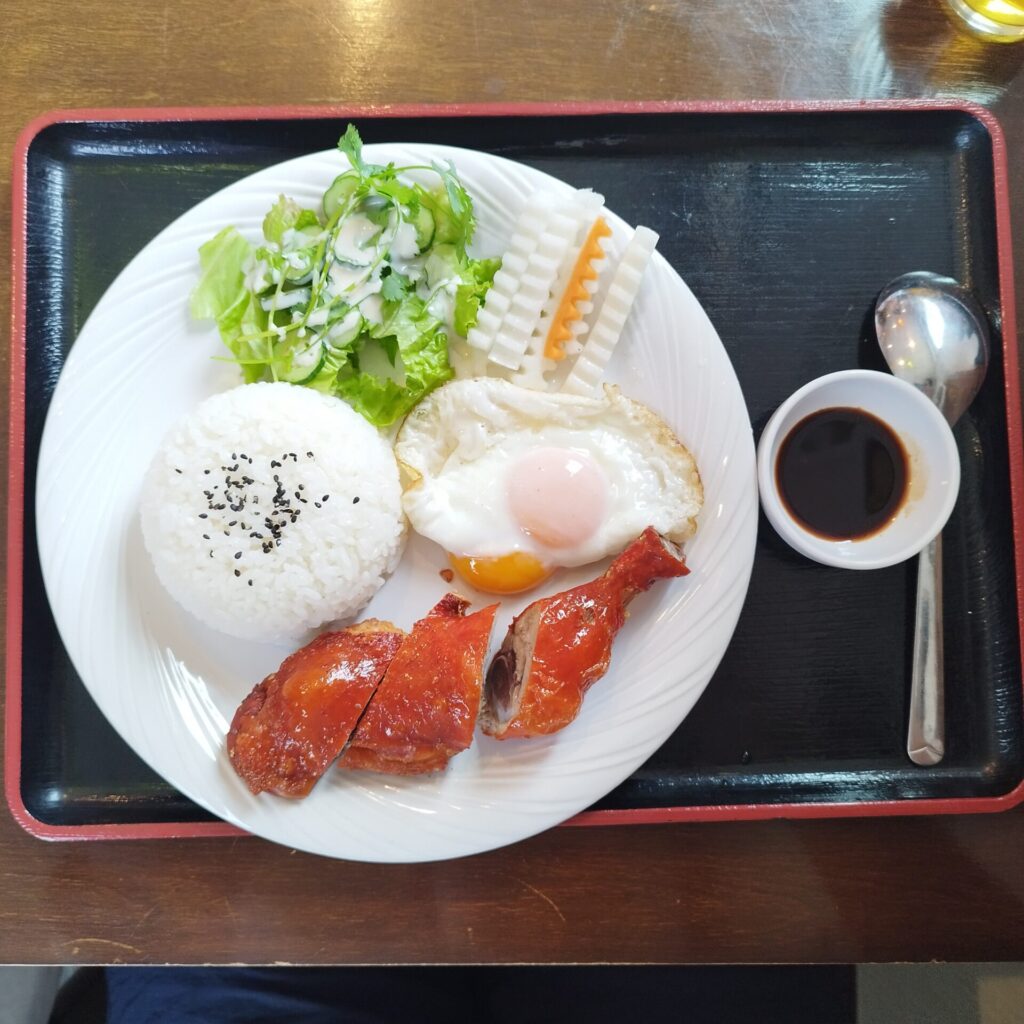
831,891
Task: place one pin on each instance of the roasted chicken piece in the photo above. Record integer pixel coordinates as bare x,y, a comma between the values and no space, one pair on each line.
424,761
294,724
426,707
560,646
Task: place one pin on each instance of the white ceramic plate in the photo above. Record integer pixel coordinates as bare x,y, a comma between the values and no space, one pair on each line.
169,685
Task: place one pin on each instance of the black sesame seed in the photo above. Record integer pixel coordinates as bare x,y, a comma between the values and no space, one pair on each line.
206,472
325,497
250,583
227,533
355,500
211,552
238,555
317,503
203,515
238,572
206,536
178,471
234,522
309,455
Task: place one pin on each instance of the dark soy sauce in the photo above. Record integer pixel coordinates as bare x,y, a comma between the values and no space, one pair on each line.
842,473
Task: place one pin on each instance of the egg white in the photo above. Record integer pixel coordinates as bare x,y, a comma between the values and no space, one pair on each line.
458,446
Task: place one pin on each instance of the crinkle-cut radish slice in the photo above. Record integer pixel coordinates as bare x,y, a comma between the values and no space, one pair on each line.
535,365
534,292
550,269
571,303
515,262
607,328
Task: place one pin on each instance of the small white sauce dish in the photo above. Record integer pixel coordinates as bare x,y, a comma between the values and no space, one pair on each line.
933,468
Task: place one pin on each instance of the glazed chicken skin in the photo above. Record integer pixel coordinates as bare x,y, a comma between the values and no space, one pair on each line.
425,709
560,646
294,724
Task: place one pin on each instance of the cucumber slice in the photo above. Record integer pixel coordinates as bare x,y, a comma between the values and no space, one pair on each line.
341,188
424,224
306,362
326,375
343,332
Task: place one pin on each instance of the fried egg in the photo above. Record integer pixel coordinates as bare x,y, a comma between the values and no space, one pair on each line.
514,483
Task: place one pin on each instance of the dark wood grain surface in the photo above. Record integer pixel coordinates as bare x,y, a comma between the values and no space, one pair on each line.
869,890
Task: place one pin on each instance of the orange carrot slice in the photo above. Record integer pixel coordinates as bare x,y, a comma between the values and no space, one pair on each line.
568,311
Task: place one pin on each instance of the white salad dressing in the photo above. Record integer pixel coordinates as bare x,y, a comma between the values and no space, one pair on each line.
404,245
442,306
352,284
355,234
318,317
372,308
256,279
411,268
298,260
285,299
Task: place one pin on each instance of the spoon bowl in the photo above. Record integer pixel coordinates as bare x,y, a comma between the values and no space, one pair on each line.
934,335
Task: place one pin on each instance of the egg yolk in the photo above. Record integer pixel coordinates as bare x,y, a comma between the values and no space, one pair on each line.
505,574
557,496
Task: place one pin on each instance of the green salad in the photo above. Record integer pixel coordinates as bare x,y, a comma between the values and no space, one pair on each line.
357,299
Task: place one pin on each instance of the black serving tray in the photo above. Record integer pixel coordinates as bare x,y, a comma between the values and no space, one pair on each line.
785,223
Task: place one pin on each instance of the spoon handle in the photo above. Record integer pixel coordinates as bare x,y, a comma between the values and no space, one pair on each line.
926,733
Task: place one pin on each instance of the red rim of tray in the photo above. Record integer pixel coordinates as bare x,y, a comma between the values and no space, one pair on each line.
638,816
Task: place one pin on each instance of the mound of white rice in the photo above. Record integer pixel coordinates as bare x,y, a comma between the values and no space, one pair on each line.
271,510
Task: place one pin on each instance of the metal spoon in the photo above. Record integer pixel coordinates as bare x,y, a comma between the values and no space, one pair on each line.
933,335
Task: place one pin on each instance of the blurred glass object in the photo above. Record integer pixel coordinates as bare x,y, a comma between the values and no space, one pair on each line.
999,20
928,51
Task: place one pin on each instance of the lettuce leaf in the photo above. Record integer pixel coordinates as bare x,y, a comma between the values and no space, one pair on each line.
293,266
416,337
378,399
245,339
285,215
477,276
221,294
